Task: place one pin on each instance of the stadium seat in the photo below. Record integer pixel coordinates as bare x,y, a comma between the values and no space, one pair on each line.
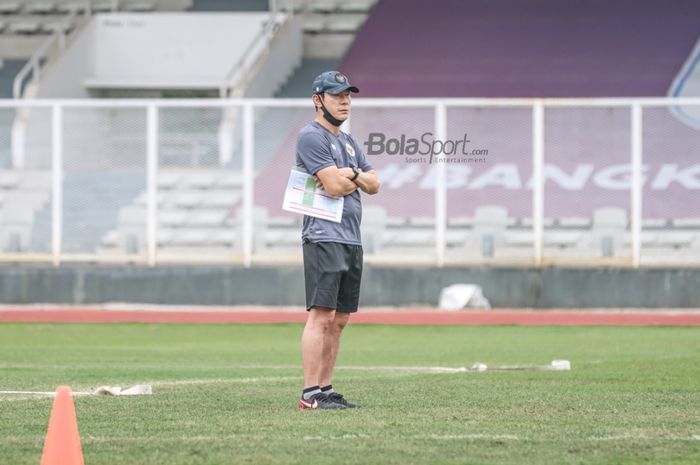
315,23
259,229
283,221
40,8
460,221
409,238
70,6
422,221
230,179
527,222
287,238
172,217
647,239
325,6
168,180
165,235
209,218
110,240
30,200
373,227
9,8
654,223
518,238
609,225
104,6
490,223
9,179
17,222
139,7
183,199
686,222
675,239
35,180
220,198
396,221
574,222
224,237
200,180
132,229
24,27
562,239
220,239
51,27
356,6
455,238
190,237
344,23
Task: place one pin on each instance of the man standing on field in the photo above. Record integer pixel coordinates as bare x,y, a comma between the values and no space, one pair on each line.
332,251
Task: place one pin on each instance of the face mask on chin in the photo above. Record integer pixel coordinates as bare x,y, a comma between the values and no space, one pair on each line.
327,114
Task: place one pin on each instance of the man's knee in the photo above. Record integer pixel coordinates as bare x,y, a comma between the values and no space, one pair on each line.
321,318
339,321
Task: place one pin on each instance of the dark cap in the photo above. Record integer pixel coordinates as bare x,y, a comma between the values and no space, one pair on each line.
332,82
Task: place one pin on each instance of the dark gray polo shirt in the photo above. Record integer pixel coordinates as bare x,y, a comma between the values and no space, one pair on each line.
318,148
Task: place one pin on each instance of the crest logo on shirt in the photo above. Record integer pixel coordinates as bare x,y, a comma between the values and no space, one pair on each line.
333,147
349,149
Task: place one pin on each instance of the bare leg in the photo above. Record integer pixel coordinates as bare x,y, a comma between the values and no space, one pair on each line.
318,324
331,343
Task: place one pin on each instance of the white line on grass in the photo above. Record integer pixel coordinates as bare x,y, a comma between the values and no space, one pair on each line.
644,437
381,369
447,437
257,379
24,395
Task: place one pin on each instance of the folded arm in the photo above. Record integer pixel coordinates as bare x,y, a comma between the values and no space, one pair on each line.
335,181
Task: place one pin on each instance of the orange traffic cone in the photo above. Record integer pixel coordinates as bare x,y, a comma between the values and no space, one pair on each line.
62,444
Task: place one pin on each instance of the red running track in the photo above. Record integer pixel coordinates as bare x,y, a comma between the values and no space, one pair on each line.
395,317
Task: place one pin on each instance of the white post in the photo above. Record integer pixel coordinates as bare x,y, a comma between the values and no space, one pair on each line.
226,128
248,151
636,214
151,183
440,186
538,179
56,183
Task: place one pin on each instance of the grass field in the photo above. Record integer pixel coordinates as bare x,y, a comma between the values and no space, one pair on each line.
226,394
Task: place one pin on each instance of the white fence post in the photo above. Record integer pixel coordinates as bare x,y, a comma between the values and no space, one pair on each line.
248,153
440,186
151,183
56,183
538,179
636,214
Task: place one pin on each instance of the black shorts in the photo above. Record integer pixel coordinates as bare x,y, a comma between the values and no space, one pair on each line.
332,273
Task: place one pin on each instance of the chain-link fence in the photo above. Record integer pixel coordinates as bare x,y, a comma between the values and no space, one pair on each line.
463,180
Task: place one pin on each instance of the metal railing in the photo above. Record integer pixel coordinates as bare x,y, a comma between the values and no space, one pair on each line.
537,108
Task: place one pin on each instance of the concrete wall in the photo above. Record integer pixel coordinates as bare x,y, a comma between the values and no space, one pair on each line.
63,77
167,47
212,285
